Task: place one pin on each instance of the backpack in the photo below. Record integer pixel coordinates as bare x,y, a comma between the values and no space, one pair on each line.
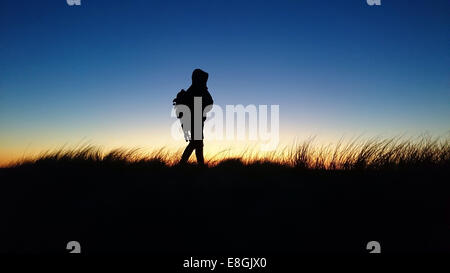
181,99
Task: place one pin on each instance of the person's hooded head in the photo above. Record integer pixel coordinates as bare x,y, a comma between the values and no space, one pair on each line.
199,78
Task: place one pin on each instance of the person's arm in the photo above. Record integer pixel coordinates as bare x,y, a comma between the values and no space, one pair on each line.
208,100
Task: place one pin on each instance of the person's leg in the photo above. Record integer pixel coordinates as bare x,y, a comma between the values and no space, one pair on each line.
199,152
187,152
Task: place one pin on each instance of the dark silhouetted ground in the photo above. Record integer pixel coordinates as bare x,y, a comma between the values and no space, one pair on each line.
111,205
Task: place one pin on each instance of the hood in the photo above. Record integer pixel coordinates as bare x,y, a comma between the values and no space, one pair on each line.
199,78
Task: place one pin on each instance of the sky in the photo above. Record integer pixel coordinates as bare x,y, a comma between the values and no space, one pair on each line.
105,72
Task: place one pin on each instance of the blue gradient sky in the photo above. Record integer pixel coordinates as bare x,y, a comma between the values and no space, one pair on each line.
105,72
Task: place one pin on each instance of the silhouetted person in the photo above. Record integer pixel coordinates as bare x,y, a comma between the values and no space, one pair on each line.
197,89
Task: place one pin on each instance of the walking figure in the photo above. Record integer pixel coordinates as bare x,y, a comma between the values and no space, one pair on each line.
193,128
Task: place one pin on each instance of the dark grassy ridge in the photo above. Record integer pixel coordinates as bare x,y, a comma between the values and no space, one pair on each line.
112,204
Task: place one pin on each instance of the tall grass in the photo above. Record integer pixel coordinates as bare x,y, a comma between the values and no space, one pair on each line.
356,154
373,154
